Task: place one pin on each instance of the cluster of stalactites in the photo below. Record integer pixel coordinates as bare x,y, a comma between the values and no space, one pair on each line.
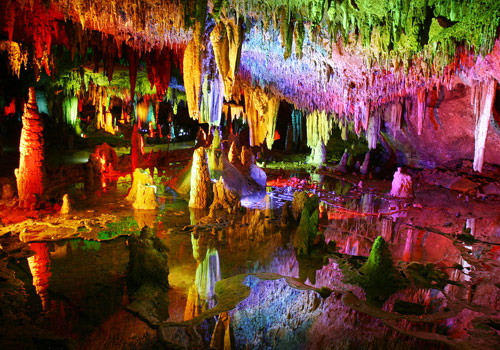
483,96
191,73
227,39
17,56
123,19
261,111
211,100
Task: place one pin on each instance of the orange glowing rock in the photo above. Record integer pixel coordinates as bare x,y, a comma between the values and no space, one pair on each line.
39,265
31,171
201,195
192,73
227,39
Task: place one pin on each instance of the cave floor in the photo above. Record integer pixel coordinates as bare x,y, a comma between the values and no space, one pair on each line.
63,277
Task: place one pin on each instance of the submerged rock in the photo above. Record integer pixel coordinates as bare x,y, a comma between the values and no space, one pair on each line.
147,276
308,227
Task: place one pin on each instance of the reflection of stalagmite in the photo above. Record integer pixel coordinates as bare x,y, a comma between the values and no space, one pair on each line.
30,173
221,337
193,304
40,269
207,274
201,184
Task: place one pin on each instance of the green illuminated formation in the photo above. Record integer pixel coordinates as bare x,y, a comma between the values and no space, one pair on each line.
379,278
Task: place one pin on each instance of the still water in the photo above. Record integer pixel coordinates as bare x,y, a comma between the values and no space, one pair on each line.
268,296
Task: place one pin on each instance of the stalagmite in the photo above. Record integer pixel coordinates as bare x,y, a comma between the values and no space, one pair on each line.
224,197
366,163
342,166
402,185
30,174
142,193
482,122
234,155
66,205
201,185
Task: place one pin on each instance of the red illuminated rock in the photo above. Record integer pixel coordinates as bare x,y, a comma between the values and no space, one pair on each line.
30,174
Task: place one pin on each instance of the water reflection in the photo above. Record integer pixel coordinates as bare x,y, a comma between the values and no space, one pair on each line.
81,283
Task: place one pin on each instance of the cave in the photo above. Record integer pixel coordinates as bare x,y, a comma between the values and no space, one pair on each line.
259,174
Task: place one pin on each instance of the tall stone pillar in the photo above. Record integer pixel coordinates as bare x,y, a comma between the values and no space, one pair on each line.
30,174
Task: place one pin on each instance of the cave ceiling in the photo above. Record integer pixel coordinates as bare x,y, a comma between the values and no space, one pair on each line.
343,57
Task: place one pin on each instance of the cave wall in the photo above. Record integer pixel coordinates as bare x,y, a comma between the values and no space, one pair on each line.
447,136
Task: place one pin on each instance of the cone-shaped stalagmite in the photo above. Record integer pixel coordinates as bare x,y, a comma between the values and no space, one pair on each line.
201,185
31,163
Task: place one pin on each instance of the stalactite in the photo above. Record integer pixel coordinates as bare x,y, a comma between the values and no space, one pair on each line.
373,130
17,55
30,174
192,73
261,113
298,133
212,100
158,64
421,110
396,112
133,64
70,112
482,122
319,127
227,39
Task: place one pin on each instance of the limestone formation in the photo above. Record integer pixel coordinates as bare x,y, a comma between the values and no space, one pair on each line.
142,194
247,157
366,163
402,185
234,156
225,197
201,184
30,174
66,205
342,166
7,192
